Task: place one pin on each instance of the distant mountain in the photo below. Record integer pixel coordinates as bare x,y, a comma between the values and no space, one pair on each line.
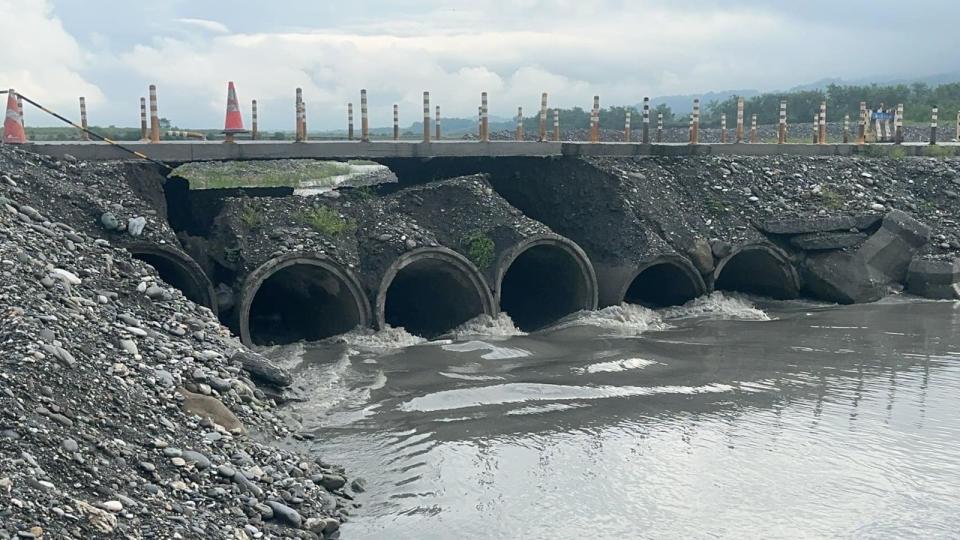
930,80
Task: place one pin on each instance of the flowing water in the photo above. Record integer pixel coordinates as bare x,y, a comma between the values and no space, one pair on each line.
730,418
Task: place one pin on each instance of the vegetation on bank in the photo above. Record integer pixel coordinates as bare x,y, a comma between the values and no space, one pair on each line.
326,220
287,173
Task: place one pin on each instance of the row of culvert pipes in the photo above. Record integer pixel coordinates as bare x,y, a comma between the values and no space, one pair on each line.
432,290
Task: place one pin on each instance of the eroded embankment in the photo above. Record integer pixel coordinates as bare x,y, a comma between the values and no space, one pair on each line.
127,409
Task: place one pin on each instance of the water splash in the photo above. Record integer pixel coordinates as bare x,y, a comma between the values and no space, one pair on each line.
721,305
616,366
487,326
379,340
622,320
495,352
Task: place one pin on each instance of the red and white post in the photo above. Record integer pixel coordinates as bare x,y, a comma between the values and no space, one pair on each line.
154,116
83,119
646,121
426,117
543,117
254,121
143,120
782,127
723,129
349,121
659,127
364,119
626,126
695,123
396,122
822,130
595,121
436,124
519,134
933,124
753,128
484,118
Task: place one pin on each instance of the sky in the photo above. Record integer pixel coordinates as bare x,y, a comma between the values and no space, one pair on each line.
110,51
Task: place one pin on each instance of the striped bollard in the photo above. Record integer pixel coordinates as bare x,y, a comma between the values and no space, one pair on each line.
862,124
739,132
723,129
426,117
303,120
298,107
933,125
436,124
83,119
543,117
254,122
822,129
396,122
690,129
484,118
519,134
782,126
154,116
753,128
556,125
659,127
480,122
364,120
646,121
846,129
958,126
881,125
626,127
20,110
349,121
816,127
898,124
595,121
143,120
695,127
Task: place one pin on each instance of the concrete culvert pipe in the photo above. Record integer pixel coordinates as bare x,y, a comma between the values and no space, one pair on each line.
669,280
298,297
758,269
179,270
429,291
544,278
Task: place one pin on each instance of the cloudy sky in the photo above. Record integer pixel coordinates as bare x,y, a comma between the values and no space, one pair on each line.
110,50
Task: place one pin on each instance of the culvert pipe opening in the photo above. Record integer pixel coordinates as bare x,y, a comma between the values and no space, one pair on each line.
301,301
191,282
544,283
434,293
664,284
758,270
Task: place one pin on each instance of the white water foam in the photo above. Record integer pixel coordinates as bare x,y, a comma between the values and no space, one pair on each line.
487,326
616,366
549,407
625,319
495,352
501,394
719,305
386,339
468,377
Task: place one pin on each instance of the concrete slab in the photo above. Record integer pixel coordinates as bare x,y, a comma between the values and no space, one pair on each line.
176,152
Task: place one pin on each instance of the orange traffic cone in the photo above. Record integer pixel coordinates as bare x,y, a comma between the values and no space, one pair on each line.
234,121
12,126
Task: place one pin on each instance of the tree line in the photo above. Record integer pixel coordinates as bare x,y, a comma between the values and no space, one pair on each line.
918,100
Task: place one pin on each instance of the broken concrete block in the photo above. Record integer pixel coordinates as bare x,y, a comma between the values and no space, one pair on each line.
934,279
826,241
806,225
890,249
842,277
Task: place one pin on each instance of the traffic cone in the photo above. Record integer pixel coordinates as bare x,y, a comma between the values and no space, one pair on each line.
234,121
12,126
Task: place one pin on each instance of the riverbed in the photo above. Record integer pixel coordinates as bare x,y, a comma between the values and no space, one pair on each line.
731,417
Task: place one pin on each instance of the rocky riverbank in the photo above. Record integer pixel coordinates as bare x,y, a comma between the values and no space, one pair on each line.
128,410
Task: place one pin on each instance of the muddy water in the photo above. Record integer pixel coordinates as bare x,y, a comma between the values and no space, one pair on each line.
728,418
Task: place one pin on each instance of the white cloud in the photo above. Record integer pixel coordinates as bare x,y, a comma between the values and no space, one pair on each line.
41,60
205,24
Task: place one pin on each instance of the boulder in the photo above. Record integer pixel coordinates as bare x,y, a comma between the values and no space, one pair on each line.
701,255
210,407
261,369
934,279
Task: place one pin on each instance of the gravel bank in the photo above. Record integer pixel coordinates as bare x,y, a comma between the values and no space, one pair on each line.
127,410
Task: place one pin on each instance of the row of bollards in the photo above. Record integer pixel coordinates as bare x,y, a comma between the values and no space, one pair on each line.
886,124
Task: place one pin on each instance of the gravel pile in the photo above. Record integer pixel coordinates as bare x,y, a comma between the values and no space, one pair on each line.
127,410
731,192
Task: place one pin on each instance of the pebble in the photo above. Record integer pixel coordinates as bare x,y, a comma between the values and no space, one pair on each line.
71,445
